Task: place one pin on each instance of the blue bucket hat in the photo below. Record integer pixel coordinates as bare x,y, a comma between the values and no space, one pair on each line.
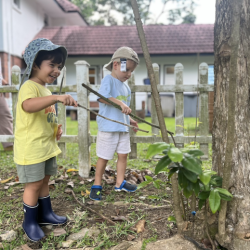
34,47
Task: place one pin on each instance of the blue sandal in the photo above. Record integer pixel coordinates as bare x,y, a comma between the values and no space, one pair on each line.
127,187
95,193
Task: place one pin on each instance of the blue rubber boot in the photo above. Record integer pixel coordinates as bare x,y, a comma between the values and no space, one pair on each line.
46,216
30,225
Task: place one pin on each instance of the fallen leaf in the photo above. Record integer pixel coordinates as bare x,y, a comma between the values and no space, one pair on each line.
117,211
72,170
140,226
12,183
60,167
4,181
17,179
90,202
52,182
66,176
130,237
70,184
90,180
59,231
119,218
67,191
6,187
93,165
109,181
61,178
25,247
81,182
82,193
87,193
73,173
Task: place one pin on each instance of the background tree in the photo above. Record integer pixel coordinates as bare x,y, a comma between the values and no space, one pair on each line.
113,12
231,133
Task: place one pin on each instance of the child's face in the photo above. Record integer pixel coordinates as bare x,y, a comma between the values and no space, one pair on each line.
47,73
120,75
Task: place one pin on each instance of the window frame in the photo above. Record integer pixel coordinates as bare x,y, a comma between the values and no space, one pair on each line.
164,72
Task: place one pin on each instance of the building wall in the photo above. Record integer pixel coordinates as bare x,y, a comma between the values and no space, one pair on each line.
190,75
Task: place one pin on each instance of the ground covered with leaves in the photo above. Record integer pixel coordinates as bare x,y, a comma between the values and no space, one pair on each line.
151,204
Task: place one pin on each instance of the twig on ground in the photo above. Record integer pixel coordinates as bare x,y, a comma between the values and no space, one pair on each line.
91,210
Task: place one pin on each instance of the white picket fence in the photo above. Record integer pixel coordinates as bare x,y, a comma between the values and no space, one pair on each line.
84,138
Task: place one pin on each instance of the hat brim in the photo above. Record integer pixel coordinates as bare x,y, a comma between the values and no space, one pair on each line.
108,66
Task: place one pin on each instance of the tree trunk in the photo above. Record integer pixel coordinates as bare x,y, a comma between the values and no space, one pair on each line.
231,126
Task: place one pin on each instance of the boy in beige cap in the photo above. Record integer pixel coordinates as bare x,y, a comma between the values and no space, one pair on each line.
113,137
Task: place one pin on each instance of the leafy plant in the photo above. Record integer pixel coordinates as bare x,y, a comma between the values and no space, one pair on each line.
205,184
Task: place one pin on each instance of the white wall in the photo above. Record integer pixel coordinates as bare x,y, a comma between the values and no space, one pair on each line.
190,75
20,25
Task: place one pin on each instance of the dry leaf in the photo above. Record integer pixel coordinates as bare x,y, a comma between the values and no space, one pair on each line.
90,202
67,191
59,231
6,187
109,181
17,179
60,167
117,211
71,183
81,182
12,183
119,218
87,193
72,170
93,165
52,182
140,226
66,176
4,181
130,237
25,247
82,193
90,180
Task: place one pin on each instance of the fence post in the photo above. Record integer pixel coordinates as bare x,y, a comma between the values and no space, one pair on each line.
61,113
15,80
133,153
82,76
203,72
154,118
179,104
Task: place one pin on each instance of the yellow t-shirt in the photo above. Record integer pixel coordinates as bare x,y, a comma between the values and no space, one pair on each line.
35,133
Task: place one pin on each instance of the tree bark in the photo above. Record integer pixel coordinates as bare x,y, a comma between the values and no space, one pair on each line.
231,126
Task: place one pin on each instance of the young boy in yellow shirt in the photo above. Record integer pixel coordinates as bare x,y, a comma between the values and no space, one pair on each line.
35,147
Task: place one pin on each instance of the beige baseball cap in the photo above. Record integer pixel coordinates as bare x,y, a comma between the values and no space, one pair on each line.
123,52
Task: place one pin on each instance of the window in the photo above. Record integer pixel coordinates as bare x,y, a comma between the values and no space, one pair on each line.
93,75
211,74
17,3
169,77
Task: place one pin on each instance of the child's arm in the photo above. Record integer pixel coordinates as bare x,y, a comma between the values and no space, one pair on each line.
133,123
36,104
125,109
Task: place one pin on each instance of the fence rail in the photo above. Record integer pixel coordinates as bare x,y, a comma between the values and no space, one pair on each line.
84,139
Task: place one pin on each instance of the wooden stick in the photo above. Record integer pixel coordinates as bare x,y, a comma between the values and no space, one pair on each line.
91,210
118,107
130,126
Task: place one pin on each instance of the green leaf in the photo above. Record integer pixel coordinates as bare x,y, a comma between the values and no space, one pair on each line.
143,184
187,193
171,172
225,197
156,184
223,191
201,203
182,180
156,148
195,152
214,200
165,151
153,197
175,154
216,181
203,195
171,219
191,163
163,163
148,178
189,175
205,178
211,172
196,187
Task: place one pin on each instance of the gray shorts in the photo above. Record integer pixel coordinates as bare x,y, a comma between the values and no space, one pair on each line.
36,172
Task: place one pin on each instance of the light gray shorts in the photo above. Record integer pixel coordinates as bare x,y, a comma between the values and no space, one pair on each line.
110,142
36,172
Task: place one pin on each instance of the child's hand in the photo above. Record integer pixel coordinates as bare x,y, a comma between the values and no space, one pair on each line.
67,100
125,109
59,132
134,123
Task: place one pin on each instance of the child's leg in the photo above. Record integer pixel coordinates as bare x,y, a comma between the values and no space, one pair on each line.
100,168
45,187
31,192
121,168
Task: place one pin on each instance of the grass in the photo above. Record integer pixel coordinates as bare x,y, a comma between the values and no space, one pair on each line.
11,213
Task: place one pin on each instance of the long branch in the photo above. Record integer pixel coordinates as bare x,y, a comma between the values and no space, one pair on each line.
118,107
92,211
